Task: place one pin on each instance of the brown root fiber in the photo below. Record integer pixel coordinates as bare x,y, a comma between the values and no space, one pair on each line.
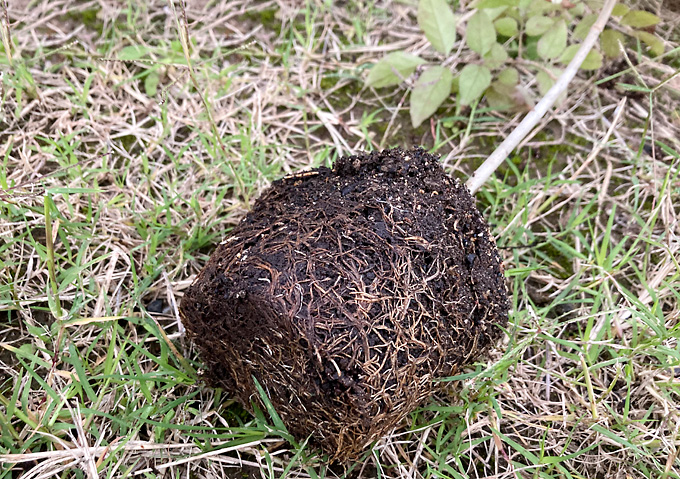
347,293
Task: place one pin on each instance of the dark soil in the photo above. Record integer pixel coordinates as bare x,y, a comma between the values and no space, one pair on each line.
347,293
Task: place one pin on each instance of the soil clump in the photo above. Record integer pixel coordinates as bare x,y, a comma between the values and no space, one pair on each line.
347,293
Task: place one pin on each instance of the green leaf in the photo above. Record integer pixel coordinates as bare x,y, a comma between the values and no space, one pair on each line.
620,10
546,79
276,419
584,27
82,375
429,92
553,42
639,19
151,83
438,23
454,85
474,79
494,13
530,47
500,96
496,3
392,69
540,7
655,44
495,57
538,25
578,9
506,26
617,439
545,82
480,34
523,6
527,455
132,52
593,60
609,42
26,351
509,76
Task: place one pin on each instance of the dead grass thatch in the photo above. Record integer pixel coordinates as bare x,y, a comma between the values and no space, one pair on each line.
121,167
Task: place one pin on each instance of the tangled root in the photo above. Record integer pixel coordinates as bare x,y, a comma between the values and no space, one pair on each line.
347,293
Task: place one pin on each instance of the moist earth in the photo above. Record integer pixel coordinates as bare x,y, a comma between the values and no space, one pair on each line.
347,293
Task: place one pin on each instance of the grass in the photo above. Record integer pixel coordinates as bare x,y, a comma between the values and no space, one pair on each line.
133,137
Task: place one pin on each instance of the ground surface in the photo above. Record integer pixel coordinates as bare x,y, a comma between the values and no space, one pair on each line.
122,168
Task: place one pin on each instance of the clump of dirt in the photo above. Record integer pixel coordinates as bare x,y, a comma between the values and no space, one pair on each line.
347,293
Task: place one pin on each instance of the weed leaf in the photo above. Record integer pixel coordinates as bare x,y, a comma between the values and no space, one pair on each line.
480,33
620,10
509,76
438,23
474,79
392,69
538,25
609,42
151,83
584,26
506,26
430,91
496,3
655,44
593,60
640,19
545,82
133,52
553,42
499,96
495,57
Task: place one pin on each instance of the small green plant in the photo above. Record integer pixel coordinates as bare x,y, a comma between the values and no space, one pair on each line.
540,35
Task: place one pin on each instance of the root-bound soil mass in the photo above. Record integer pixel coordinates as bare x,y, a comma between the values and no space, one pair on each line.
347,293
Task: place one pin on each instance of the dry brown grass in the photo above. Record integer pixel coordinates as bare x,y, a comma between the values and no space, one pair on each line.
136,187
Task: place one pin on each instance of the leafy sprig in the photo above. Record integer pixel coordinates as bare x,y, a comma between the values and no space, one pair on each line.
500,33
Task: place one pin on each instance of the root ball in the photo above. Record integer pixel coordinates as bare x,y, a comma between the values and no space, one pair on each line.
347,293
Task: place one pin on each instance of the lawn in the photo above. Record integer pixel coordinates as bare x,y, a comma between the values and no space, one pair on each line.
135,135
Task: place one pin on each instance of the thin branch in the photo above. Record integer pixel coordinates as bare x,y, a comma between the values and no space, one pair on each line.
534,116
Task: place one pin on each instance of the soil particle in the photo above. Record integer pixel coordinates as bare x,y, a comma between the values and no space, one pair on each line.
347,293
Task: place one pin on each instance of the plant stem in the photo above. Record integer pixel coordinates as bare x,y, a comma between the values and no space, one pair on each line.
52,288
